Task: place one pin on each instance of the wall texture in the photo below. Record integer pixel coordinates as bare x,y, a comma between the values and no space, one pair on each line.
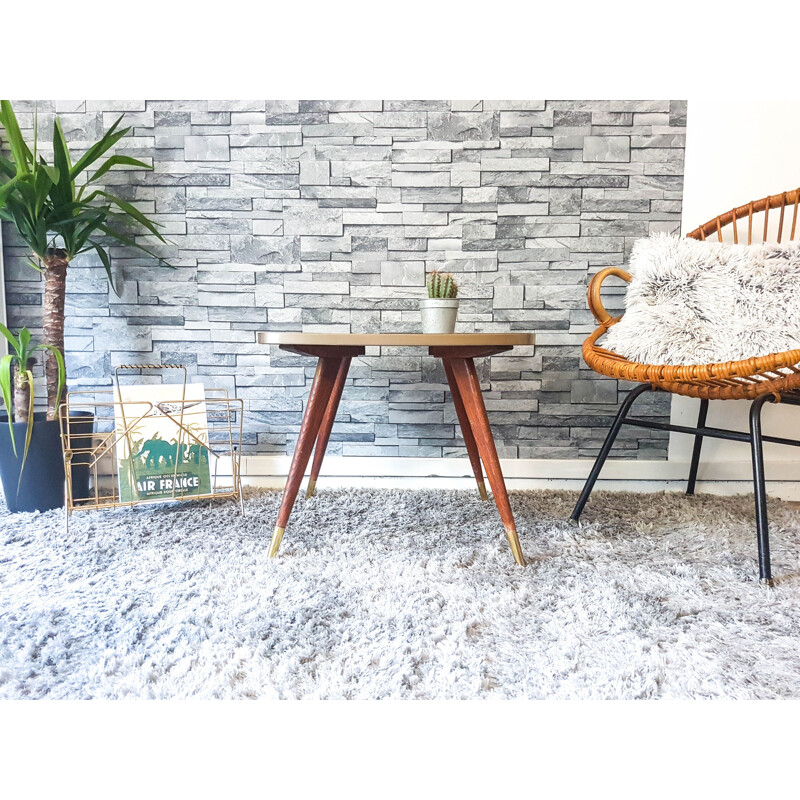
324,216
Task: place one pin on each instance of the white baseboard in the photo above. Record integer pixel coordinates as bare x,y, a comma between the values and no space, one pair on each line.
730,477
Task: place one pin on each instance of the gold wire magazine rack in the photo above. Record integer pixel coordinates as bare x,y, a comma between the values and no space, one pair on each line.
102,457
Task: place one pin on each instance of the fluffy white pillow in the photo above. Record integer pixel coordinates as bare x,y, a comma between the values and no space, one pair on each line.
694,302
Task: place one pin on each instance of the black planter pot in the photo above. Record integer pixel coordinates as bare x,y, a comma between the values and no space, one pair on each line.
41,486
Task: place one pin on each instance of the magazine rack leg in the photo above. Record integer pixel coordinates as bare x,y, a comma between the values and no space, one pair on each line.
327,369
237,477
67,459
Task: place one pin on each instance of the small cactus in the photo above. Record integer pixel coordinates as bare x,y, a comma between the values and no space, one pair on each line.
441,285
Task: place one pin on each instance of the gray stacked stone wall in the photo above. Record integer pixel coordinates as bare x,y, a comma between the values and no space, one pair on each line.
324,215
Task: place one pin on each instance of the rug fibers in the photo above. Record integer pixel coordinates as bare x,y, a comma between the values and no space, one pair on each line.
401,594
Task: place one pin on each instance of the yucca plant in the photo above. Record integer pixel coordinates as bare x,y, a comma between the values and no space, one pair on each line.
441,285
61,211
16,382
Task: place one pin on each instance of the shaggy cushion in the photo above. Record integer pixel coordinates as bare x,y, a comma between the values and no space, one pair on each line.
694,302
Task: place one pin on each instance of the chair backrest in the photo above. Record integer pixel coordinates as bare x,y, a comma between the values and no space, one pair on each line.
773,228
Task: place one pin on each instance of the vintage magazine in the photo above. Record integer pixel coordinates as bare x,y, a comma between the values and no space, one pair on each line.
163,453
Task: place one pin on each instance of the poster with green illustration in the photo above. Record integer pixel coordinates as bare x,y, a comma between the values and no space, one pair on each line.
162,450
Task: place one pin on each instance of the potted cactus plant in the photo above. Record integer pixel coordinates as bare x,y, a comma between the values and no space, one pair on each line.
440,308
61,210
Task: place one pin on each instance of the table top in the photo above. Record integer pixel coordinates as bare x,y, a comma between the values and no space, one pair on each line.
398,339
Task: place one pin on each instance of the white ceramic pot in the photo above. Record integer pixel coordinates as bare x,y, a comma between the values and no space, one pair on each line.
438,315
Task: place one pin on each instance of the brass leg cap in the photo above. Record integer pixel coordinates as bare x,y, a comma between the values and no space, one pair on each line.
767,582
482,490
277,535
516,547
312,488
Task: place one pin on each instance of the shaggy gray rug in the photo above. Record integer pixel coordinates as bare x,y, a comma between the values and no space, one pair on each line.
401,594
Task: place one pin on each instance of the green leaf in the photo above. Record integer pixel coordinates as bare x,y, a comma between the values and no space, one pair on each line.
67,218
64,189
7,188
115,161
19,150
29,430
128,242
88,199
11,338
111,137
41,187
20,216
134,212
71,212
41,237
106,263
60,145
24,342
26,191
85,231
51,172
35,134
5,389
6,167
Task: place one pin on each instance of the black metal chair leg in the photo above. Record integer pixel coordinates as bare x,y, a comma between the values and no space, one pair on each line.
698,445
760,489
606,449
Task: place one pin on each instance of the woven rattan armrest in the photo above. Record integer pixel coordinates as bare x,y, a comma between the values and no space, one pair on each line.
730,380
593,295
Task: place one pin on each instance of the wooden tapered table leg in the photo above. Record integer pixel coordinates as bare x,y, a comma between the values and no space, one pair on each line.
470,390
327,369
327,424
466,429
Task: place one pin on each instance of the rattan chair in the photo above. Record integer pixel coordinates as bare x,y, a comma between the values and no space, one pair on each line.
771,378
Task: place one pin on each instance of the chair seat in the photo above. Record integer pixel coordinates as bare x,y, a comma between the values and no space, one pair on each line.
776,373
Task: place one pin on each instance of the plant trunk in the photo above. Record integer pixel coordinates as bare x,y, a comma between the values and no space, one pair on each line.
55,289
22,396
